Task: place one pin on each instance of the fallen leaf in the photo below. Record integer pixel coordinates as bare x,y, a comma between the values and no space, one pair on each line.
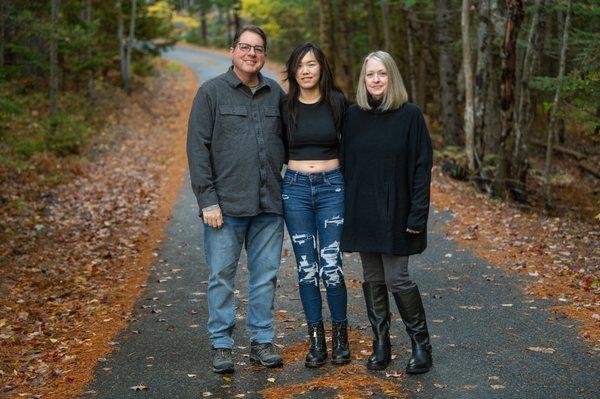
471,307
394,374
541,349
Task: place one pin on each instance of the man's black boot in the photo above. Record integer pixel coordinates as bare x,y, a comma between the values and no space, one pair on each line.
340,354
378,311
265,355
222,362
317,354
413,315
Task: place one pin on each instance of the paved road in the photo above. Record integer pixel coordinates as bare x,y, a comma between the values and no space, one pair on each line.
481,324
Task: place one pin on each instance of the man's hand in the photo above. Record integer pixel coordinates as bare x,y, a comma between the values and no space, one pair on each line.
213,218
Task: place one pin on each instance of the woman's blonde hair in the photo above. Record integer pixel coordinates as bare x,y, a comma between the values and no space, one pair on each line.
395,93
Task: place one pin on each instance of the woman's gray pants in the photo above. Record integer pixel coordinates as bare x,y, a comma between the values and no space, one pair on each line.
389,269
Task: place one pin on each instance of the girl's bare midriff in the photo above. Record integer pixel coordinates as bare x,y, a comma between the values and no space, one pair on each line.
315,166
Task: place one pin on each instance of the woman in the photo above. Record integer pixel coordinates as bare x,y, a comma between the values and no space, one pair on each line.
313,196
387,159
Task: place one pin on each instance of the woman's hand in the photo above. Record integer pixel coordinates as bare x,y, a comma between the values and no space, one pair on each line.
411,231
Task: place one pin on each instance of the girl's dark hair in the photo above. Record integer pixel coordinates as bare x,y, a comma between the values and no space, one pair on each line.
330,93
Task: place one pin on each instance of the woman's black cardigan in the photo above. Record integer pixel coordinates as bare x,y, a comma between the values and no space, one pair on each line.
387,160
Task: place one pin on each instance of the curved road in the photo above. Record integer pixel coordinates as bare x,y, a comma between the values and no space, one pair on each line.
481,324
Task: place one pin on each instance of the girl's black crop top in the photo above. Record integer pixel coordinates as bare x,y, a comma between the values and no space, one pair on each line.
315,136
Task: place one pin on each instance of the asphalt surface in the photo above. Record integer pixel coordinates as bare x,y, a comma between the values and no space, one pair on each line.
480,321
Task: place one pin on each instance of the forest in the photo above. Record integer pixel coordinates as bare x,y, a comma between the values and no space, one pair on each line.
510,86
92,131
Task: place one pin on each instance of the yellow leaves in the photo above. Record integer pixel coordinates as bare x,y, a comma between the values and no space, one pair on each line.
183,23
160,10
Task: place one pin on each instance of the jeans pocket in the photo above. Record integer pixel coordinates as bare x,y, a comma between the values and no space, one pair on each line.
336,181
288,180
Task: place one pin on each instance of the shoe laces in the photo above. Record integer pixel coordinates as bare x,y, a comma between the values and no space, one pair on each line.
221,353
265,349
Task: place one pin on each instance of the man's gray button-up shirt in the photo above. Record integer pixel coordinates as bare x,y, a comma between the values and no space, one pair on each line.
235,146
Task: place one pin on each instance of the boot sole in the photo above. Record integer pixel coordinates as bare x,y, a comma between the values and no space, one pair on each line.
228,370
418,371
377,368
256,360
314,365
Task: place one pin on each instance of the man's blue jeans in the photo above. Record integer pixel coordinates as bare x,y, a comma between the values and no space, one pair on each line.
313,205
263,237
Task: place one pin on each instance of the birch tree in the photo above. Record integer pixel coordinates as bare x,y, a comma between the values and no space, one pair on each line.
129,47
468,75
552,121
482,77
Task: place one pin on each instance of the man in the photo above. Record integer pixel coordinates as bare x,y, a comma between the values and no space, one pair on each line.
235,155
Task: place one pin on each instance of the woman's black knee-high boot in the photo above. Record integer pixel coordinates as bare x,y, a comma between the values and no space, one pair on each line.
378,311
413,315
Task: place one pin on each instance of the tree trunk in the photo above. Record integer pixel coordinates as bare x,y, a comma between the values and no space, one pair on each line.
523,111
550,141
88,21
326,31
203,26
482,77
53,65
229,23
123,60
2,12
412,69
385,12
509,62
344,49
447,67
373,27
236,17
129,48
468,74
421,99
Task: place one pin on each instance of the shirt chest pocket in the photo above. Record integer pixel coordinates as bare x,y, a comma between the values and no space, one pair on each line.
234,119
272,122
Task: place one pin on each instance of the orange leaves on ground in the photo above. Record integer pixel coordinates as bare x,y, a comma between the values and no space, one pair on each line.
561,253
76,254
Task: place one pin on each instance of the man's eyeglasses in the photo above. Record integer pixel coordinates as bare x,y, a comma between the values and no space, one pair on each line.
245,48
